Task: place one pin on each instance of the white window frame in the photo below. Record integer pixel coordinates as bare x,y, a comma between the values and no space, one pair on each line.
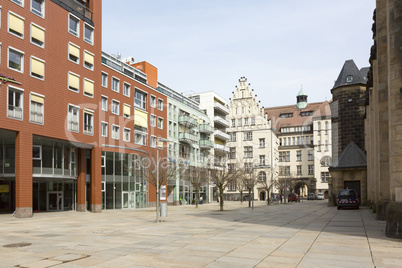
92,36
150,120
124,134
160,108
124,115
118,107
104,108
36,44
40,14
21,106
118,84
91,113
77,34
83,89
40,152
22,59
161,126
153,144
68,82
68,118
107,77
103,123
129,89
310,169
115,127
30,109
17,2
8,24
144,137
88,67
30,67
143,103
79,53
150,101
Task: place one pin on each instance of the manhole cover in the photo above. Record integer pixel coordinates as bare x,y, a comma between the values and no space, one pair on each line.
17,245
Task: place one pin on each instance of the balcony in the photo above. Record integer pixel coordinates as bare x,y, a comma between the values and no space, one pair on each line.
188,121
221,148
221,122
221,135
77,7
188,138
206,144
124,68
221,108
204,128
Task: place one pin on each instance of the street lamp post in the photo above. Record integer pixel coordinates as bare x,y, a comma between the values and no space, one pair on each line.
160,140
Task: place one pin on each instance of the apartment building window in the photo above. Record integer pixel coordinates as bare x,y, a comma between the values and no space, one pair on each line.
253,121
115,84
88,87
239,123
310,155
310,169
232,136
160,123
319,146
140,99
232,185
126,134
16,60
262,176
298,140
37,35
16,25
160,104
248,136
73,118
89,60
326,127
325,177
262,160
104,126
38,7
126,89
248,152
232,154
284,171
233,122
37,68
284,141
247,167
115,132
262,143
126,111
246,121
89,34
15,103
36,109
153,143
104,79
152,120
284,156
74,25
73,82
18,2
115,107
140,135
311,139
104,103
298,155
153,102
73,53
326,146
299,170
88,122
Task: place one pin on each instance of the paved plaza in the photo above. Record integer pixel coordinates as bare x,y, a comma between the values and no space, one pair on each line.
305,234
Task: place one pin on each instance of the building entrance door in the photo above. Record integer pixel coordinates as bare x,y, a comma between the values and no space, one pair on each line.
55,201
128,199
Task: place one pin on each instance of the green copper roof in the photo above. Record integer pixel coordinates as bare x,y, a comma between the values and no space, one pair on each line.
301,93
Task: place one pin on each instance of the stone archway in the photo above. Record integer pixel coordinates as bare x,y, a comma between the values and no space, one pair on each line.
262,196
302,188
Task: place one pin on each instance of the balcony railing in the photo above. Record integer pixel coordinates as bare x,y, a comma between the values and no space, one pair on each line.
222,108
204,128
124,68
221,121
206,144
187,121
221,148
78,7
187,137
222,135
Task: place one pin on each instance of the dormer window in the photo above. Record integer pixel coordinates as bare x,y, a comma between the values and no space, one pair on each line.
286,115
349,79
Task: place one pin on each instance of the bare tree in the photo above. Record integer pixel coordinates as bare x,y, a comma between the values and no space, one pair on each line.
240,187
284,185
248,181
197,176
267,185
221,178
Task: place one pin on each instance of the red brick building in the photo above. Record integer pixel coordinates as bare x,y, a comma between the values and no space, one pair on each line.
62,147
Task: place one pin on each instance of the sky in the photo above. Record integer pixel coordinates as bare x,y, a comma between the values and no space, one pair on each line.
278,45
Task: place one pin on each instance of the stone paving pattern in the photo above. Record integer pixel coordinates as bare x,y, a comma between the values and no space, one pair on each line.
305,234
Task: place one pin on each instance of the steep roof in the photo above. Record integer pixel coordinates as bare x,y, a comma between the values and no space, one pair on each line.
349,75
319,109
351,157
301,93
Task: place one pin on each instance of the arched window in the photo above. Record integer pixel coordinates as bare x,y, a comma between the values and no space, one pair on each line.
262,176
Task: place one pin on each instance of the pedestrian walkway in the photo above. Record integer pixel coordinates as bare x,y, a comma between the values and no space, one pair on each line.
305,234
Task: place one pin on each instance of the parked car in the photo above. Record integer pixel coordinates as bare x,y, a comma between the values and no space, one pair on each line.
311,196
320,196
347,198
293,198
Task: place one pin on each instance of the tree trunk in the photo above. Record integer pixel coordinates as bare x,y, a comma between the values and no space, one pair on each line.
220,199
241,197
249,198
196,198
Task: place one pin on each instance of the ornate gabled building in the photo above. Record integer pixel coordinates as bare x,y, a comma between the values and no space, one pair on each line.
304,144
251,140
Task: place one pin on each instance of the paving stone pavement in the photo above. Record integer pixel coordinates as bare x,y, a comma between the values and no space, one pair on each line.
305,234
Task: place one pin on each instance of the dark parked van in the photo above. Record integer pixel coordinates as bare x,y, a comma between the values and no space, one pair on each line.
347,198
